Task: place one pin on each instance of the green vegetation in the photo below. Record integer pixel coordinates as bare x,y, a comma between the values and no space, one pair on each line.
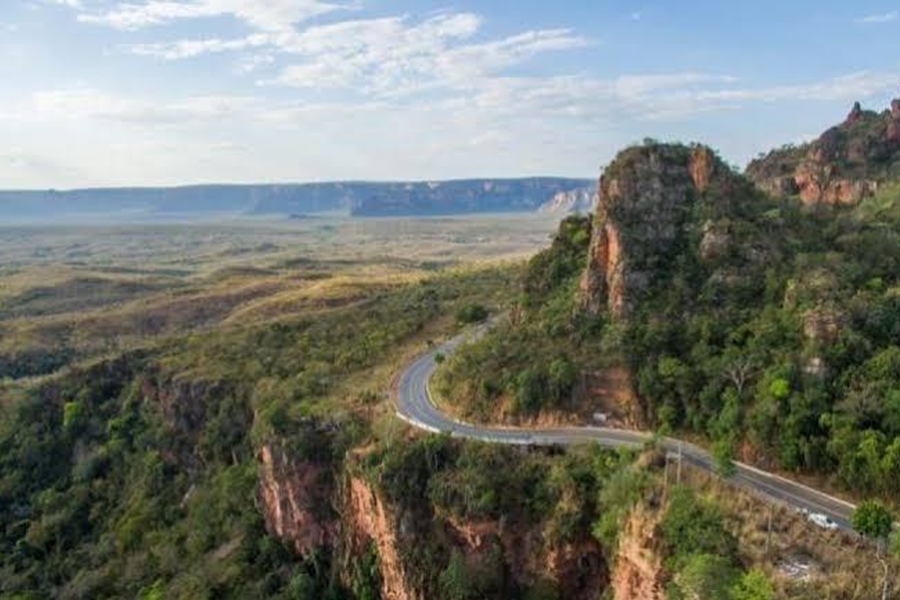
535,362
471,313
436,482
786,342
135,475
799,358
702,554
873,520
72,294
862,148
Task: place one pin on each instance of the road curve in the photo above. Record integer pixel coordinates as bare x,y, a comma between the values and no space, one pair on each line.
414,405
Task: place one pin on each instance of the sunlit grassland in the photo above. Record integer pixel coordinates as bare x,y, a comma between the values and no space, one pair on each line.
71,294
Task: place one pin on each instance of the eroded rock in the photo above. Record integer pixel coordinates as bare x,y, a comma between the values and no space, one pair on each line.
293,498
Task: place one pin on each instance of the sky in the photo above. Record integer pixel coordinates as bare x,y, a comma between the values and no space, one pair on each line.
169,92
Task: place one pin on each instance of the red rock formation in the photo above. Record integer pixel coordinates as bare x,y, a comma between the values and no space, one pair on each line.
638,572
701,167
291,496
578,569
893,130
369,520
843,166
815,186
639,217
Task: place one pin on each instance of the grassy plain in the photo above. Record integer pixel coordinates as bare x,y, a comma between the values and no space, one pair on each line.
69,294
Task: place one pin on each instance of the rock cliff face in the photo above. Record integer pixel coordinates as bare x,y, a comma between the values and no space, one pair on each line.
293,498
645,199
638,572
843,166
577,569
369,520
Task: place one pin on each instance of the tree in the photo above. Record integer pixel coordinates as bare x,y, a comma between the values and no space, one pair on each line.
691,526
705,577
561,380
873,520
722,454
753,585
528,391
73,416
471,313
739,370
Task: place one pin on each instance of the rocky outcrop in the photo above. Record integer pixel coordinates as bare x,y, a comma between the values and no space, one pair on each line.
645,197
369,520
577,569
822,326
716,240
293,498
815,184
843,166
638,572
856,113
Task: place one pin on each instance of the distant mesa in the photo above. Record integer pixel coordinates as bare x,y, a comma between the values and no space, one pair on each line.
295,201
467,196
578,201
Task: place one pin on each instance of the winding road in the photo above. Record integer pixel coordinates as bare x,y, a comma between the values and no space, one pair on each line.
414,405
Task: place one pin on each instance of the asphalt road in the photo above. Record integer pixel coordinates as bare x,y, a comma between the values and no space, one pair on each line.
414,406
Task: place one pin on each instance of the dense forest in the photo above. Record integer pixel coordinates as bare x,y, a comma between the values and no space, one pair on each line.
137,476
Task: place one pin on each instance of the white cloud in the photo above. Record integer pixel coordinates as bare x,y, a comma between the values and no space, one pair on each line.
191,48
76,4
265,15
383,56
853,86
392,57
880,18
93,104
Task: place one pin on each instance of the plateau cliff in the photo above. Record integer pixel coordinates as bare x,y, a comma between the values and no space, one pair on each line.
370,199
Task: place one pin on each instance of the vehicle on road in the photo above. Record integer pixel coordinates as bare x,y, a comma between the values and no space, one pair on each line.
821,520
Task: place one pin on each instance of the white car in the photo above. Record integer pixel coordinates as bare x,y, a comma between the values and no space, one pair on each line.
822,521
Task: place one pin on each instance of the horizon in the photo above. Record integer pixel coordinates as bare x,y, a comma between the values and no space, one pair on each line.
239,184
148,93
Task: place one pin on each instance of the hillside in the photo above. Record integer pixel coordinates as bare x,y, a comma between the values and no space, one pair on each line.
355,198
205,411
767,327
844,165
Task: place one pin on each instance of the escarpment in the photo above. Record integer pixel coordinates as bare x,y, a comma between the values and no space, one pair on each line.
368,520
647,199
294,499
844,165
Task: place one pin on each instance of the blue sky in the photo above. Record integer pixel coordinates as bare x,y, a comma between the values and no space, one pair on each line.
161,92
